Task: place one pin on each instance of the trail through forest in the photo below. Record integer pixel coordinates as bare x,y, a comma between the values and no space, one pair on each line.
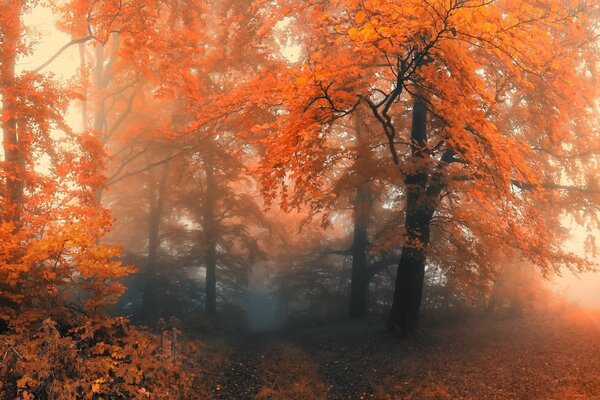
240,377
542,358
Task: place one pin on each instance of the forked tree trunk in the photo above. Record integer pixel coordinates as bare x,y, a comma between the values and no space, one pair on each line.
422,197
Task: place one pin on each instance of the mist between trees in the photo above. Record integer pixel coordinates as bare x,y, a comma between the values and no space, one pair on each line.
279,166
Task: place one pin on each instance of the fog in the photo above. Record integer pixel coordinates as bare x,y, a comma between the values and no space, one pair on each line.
275,257
582,288
299,200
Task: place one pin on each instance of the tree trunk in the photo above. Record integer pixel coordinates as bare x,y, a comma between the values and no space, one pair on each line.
360,281
14,165
359,284
103,76
210,244
84,104
421,203
150,298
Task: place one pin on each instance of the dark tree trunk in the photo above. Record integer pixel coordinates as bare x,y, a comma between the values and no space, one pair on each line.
150,298
421,202
360,280
408,291
210,243
359,284
14,159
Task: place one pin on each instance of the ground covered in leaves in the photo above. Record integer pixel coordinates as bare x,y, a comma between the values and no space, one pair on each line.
535,358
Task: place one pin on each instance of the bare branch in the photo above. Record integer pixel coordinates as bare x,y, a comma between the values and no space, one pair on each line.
60,51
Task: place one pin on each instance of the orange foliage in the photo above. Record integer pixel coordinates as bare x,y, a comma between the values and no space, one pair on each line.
510,87
56,274
52,262
104,357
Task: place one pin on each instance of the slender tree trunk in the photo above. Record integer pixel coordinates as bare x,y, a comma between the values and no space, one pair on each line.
421,203
359,284
14,165
210,243
103,76
360,281
99,112
84,104
150,297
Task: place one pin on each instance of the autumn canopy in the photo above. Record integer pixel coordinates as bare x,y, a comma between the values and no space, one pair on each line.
358,154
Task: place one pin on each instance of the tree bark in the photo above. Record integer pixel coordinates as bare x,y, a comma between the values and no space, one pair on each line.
421,202
84,105
150,297
210,243
103,76
14,164
360,280
359,284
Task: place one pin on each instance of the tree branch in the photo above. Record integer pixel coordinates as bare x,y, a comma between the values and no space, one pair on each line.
60,51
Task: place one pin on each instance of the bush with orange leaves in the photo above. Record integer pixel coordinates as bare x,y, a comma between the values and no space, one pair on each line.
57,277
105,358
56,340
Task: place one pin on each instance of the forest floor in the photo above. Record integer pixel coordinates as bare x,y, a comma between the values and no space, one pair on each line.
539,358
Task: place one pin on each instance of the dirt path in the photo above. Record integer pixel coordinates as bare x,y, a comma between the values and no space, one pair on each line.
242,378
268,366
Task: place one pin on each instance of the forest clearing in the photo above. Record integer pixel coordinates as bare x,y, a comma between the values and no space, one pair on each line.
544,357
299,199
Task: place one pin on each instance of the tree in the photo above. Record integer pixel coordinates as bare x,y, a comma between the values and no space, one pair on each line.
497,90
362,177
57,276
13,147
139,51
231,221
160,54
53,265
